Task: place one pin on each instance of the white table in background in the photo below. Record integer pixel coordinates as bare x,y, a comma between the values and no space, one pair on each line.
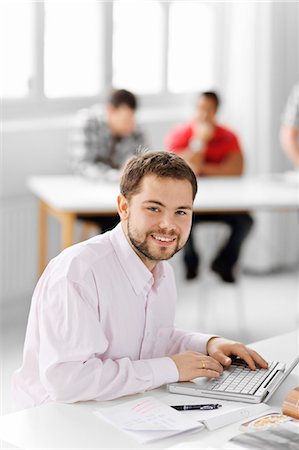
66,196
62,426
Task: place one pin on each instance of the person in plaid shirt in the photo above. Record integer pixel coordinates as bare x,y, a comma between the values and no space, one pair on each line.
101,143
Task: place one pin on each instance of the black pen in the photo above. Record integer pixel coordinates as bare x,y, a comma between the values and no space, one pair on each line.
203,407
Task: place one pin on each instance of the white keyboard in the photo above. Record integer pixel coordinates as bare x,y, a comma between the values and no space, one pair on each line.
238,378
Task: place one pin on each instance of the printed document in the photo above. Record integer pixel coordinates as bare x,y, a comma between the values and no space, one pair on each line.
147,419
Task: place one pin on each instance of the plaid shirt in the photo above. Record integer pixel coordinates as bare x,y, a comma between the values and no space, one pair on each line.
291,113
94,152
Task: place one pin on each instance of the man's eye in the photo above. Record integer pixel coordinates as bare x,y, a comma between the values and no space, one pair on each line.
181,213
153,208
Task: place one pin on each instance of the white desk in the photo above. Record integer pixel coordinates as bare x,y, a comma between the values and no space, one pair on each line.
66,196
61,426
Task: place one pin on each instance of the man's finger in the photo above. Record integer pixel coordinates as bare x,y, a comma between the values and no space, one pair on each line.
222,358
258,359
210,363
243,353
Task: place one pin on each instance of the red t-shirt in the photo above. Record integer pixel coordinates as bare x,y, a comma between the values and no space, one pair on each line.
222,143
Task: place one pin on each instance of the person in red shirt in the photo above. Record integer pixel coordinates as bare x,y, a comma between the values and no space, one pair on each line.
212,150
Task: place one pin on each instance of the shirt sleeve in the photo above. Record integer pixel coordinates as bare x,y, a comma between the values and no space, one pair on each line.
182,341
73,365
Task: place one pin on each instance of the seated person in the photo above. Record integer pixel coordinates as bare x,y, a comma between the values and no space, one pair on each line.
289,133
212,150
101,323
99,146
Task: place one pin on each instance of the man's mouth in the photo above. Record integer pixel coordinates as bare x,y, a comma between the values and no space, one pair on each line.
163,238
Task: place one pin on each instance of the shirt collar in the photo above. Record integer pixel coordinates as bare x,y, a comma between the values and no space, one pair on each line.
140,277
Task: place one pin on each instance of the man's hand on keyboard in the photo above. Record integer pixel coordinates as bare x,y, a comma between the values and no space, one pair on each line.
221,349
192,365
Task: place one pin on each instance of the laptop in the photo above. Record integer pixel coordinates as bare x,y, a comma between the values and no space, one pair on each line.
238,382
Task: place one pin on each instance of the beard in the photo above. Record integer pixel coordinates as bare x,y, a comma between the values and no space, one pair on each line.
143,248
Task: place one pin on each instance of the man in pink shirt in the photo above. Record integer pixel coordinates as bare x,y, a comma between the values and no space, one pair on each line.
212,150
101,323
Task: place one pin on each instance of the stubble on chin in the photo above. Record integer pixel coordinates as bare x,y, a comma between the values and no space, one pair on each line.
143,249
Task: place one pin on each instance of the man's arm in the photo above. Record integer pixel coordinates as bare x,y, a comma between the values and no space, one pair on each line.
73,361
73,346
232,165
289,138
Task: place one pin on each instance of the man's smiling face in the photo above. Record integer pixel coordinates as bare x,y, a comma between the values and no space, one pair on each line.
157,219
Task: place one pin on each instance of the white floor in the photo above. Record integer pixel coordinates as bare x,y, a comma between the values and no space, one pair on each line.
256,307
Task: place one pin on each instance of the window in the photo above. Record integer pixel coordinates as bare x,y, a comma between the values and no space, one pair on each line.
16,49
73,50
190,63
137,46
77,49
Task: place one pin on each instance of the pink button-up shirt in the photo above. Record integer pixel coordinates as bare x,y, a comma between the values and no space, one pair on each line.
101,326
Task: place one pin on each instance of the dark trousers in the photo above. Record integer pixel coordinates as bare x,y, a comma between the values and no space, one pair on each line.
240,225
105,223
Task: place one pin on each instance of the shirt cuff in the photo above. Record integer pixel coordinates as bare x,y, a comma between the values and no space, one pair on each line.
164,371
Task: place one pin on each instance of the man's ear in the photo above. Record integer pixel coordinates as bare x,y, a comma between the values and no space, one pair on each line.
122,207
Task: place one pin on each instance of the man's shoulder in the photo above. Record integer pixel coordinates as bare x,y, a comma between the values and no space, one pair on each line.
224,131
93,113
75,261
227,140
137,134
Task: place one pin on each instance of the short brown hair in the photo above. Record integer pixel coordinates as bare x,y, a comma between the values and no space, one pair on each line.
119,97
162,164
211,95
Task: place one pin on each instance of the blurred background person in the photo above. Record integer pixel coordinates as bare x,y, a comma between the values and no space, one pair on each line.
212,150
99,145
289,133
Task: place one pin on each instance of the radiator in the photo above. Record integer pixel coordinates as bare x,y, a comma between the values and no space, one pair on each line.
18,255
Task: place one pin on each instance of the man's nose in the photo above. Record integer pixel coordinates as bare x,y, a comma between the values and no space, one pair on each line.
167,223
